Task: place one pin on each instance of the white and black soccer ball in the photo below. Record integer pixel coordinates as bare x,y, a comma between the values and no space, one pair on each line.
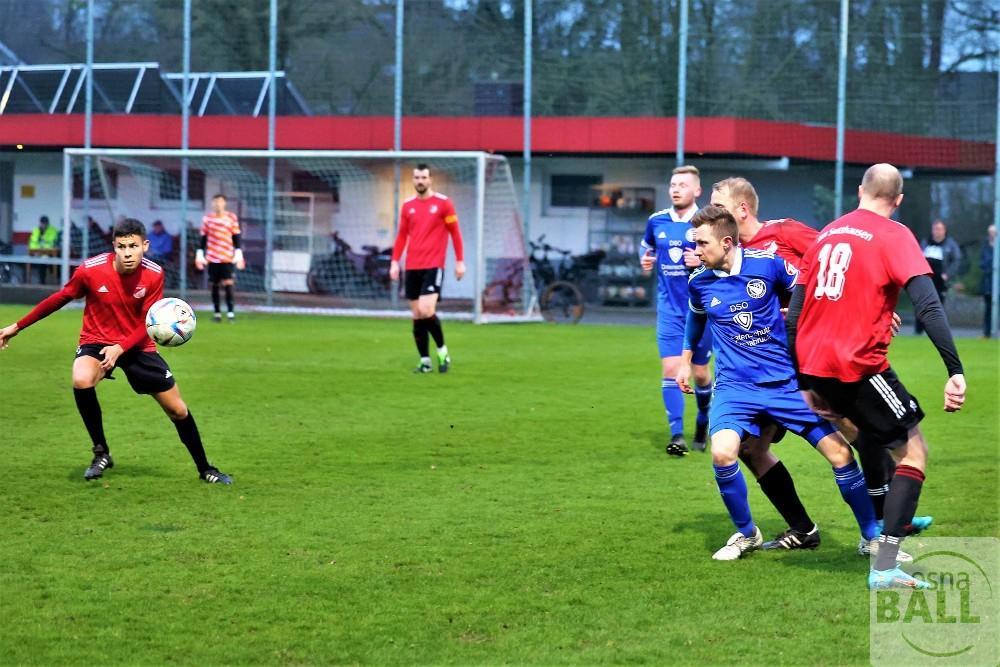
170,322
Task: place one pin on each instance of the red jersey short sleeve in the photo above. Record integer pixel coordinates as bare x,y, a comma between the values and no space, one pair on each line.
424,228
116,304
852,277
787,238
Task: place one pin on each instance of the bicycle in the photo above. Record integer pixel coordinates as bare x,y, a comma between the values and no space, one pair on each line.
560,300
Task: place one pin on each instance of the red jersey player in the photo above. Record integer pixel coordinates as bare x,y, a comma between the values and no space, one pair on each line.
425,223
119,287
220,250
838,331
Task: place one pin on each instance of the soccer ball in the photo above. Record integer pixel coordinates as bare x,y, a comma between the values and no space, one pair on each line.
170,322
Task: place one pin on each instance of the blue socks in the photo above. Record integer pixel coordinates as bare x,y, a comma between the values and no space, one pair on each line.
854,491
673,402
703,396
733,487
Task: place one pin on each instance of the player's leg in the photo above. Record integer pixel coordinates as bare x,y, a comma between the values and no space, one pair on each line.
673,404
777,485
215,278
702,389
787,407
413,280
176,409
87,372
430,294
884,411
227,286
733,488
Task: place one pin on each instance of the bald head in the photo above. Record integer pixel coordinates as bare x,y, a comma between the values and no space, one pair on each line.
882,181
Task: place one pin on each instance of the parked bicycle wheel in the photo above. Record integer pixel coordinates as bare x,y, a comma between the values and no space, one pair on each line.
562,303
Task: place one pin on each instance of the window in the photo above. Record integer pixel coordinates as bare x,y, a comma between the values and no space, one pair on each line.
310,181
96,187
573,190
170,185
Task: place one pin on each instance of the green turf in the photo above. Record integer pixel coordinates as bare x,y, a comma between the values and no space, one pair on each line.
518,510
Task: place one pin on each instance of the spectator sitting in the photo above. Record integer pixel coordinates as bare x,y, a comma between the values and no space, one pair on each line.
161,244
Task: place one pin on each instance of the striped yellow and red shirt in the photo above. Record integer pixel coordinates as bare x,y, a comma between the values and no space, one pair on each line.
218,231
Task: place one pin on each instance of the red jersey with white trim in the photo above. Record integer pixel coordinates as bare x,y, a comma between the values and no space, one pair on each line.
116,304
787,238
852,278
424,227
218,231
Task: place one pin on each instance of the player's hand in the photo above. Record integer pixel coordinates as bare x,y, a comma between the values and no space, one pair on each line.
683,375
238,259
954,393
110,354
459,270
394,271
199,260
818,405
6,334
647,261
897,321
691,260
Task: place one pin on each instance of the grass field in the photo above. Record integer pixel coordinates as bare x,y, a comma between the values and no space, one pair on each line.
517,510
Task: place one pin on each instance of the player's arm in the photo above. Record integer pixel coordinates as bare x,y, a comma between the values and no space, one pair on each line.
199,256
451,224
647,248
397,248
138,335
234,230
930,313
694,329
74,289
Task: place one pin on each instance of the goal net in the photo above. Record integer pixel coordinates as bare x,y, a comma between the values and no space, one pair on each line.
335,219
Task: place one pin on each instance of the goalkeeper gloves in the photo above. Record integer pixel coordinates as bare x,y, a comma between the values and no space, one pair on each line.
238,256
199,256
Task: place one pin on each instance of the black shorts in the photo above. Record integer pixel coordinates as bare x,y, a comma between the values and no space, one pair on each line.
219,271
147,372
420,282
879,405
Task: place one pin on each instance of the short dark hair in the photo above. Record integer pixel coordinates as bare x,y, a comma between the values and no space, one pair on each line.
129,227
218,195
721,221
44,219
423,166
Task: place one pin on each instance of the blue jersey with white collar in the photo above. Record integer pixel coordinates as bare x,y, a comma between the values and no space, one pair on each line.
744,315
670,235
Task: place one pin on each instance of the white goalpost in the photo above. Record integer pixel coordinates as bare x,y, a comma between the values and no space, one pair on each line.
327,248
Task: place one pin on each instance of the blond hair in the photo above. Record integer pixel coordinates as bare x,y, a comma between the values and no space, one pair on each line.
738,189
687,169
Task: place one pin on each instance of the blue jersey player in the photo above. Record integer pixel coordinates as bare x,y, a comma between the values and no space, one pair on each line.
737,292
668,246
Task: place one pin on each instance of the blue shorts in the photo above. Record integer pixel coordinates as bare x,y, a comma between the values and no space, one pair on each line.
743,407
670,340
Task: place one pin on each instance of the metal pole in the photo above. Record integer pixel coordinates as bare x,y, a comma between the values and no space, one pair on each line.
682,47
88,119
397,131
185,144
479,279
838,183
526,176
995,296
66,203
272,107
